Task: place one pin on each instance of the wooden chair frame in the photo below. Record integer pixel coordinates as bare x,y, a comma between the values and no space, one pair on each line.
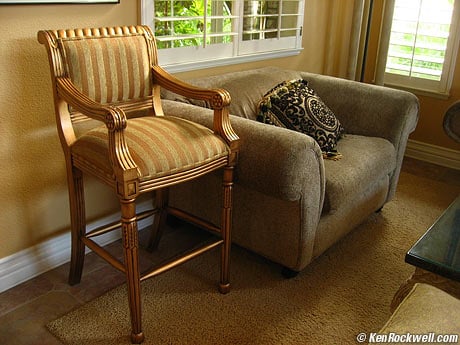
125,176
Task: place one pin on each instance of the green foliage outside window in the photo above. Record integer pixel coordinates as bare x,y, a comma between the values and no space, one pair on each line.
190,30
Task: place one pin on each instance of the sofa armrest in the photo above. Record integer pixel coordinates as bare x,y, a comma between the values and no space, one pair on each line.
367,109
370,110
275,161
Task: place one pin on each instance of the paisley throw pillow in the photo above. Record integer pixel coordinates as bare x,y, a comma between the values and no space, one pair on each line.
294,105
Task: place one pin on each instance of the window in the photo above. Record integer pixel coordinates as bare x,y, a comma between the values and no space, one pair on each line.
423,44
215,32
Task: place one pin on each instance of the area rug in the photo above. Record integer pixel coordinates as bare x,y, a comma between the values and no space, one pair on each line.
344,292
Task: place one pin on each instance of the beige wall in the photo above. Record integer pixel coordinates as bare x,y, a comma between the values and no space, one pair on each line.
34,206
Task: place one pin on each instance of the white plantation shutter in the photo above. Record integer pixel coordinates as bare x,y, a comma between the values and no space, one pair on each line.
423,44
212,31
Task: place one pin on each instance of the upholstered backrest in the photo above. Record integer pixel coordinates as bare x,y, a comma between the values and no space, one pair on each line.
245,96
110,65
108,69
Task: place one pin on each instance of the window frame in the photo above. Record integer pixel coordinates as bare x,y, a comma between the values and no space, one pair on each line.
216,55
424,86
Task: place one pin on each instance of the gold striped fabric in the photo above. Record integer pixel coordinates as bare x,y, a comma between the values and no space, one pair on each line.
159,145
108,70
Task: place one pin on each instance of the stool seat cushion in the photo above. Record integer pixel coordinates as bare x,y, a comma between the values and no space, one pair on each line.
156,144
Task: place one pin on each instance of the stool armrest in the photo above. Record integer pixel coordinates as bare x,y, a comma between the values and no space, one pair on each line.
217,99
113,117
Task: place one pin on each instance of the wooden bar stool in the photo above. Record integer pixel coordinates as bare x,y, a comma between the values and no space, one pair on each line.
106,87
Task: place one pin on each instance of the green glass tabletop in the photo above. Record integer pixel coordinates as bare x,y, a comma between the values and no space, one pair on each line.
438,250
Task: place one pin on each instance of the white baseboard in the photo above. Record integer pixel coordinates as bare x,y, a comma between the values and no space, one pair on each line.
433,154
31,262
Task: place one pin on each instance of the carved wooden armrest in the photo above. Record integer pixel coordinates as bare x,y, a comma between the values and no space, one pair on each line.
113,117
218,99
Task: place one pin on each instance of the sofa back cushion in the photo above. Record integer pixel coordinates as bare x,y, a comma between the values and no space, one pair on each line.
246,88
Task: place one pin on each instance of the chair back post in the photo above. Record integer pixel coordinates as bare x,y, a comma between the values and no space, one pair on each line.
153,54
66,132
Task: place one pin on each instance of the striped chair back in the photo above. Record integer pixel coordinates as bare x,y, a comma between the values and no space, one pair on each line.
108,69
110,65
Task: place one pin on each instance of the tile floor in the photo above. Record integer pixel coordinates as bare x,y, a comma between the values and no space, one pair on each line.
26,308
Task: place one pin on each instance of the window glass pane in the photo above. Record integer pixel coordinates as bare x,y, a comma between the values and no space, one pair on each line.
419,38
270,19
193,23
260,19
212,32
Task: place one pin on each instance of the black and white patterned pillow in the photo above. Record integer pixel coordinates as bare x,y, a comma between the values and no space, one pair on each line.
294,105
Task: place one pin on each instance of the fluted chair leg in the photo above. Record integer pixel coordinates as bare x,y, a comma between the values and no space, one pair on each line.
224,286
131,260
161,201
78,225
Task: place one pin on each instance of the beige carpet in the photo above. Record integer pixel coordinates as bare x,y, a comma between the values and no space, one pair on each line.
346,291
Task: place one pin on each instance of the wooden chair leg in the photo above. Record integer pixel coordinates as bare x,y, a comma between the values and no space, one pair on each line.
78,225
224,286
131,259
161,201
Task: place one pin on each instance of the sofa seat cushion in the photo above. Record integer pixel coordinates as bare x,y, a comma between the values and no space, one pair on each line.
365,161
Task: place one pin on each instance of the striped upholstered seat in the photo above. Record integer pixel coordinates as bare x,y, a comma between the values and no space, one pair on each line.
160,146
106,89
